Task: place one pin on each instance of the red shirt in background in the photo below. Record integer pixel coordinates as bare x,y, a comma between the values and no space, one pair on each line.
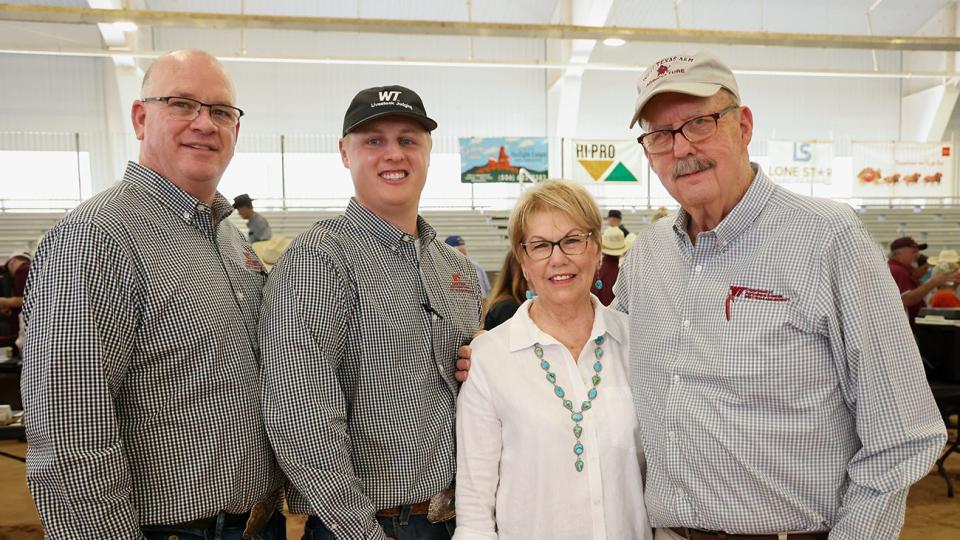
903,275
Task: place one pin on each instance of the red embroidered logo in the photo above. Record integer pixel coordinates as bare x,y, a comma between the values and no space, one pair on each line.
458,285
749,293
251,262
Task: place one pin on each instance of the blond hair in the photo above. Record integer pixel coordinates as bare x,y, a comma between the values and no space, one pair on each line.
563,196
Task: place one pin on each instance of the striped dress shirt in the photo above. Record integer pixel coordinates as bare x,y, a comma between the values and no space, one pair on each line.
776,380
360,327
140,372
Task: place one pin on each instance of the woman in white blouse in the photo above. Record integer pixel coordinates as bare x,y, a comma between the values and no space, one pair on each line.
547,436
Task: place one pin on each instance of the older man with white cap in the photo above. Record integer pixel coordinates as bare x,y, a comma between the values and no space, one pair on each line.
777,401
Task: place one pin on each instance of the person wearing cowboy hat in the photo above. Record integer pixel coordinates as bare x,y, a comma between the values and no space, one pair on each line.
613,246
946,263
259,227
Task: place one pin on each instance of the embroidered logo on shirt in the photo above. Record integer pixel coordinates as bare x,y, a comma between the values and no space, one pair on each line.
750,293
457,284
251,262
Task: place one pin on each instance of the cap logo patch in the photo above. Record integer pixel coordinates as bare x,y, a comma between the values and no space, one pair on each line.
664,68
391,97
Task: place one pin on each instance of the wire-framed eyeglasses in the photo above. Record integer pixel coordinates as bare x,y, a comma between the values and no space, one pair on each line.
695,130
189,108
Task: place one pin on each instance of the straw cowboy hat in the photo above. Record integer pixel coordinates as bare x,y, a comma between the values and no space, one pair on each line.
269,251
945,256
613,242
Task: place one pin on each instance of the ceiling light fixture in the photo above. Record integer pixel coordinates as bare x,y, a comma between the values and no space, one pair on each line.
613,42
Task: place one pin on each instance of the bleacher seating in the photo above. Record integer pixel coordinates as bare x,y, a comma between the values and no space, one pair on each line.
486,232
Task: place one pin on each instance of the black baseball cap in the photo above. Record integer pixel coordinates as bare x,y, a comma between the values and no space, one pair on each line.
381,101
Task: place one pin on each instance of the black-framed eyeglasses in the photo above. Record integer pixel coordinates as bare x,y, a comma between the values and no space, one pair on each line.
188,109
695,130
572,244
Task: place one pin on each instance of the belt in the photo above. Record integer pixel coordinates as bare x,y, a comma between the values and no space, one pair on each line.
233,521
418,509
697,534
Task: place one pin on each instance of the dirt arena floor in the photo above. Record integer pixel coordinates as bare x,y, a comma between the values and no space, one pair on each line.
931,515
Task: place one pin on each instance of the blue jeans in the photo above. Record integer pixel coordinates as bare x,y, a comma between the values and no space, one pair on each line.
276,529
414,528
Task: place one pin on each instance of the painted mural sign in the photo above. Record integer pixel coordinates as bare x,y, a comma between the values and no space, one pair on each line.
503,159
902,169
602,161
800,162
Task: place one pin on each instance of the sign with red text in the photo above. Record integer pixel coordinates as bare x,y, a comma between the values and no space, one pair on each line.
902,169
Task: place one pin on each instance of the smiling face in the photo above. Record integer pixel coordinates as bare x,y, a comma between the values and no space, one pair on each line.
388,160
191,154
714,172
560,279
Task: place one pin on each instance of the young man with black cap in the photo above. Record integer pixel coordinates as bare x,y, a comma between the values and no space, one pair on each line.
259,227
361,321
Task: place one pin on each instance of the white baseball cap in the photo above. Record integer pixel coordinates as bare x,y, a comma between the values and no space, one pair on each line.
698,74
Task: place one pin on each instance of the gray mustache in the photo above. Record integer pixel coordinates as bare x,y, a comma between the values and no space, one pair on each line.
691,165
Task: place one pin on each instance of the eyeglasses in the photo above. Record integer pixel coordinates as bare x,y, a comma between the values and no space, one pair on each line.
695,130
572,244
188,109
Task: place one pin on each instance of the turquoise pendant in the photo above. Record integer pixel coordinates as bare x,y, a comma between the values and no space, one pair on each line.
576,416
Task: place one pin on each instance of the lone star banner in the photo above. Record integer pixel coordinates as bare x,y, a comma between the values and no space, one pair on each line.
596,161
800,162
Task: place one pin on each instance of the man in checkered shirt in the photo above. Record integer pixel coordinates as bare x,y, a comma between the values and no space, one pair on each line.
140,372
362,317
776,399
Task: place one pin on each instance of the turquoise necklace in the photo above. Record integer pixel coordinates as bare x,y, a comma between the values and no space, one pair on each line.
576,416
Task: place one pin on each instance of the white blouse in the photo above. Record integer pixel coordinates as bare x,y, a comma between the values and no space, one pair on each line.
516,477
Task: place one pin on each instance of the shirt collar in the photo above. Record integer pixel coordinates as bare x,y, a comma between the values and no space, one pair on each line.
743,214
383,230
524,333
181,203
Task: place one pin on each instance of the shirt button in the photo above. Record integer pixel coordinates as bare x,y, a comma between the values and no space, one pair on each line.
239,296
186,216
333,526
686,323
699,268
676,378
672,435
680,492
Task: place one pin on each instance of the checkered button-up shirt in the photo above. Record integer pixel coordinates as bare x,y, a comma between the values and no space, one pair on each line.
775,377
140,375
360,327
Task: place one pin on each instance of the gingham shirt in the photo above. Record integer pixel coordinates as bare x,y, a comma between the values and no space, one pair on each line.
358,375
140,373
805,409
